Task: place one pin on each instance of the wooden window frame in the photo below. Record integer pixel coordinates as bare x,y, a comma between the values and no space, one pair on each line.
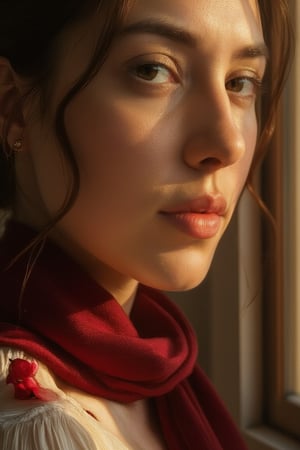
283,408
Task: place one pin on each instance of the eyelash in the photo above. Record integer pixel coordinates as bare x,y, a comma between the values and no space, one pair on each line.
256,84
159,68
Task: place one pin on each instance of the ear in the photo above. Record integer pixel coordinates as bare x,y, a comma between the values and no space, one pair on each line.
11,114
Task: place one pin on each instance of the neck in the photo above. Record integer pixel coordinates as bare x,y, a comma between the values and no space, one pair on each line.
120,286
123,291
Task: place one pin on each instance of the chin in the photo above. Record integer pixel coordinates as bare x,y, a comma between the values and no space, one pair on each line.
182,284
179,280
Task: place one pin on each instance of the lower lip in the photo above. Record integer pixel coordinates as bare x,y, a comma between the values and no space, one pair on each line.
196,225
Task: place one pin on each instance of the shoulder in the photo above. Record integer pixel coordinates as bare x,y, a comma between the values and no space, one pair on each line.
43,427
46,425
32,423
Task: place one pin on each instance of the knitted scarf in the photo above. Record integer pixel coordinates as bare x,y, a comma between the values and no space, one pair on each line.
70,323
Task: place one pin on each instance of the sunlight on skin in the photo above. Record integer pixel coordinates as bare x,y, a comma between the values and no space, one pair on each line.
164,137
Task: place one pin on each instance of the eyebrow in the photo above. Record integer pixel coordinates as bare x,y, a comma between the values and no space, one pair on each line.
181,36
163,29
253,51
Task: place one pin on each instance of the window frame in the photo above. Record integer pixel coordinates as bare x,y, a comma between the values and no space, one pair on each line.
278,174
255,295
282,411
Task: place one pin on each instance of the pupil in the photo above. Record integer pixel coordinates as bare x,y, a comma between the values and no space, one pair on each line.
237,85
147,71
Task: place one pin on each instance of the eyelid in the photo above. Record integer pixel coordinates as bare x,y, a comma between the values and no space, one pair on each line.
257,84
159,59
247,93
255,70
250,74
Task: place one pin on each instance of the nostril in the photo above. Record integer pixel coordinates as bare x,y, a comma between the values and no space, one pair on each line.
214,162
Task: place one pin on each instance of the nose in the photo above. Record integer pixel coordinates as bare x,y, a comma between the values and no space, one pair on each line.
216,137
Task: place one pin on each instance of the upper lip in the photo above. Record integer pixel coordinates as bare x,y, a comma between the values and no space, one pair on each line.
205,204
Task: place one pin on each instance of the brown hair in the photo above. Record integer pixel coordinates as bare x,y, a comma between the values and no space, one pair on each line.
28,42
29,28
279,37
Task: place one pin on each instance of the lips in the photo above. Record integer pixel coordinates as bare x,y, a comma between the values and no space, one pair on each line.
205,204
200,218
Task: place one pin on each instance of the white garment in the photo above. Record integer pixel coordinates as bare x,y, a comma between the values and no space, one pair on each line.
33,424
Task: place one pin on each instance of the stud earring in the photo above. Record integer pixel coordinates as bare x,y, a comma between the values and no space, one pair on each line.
17,145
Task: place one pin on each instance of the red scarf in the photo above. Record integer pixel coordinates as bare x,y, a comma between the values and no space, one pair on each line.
83,335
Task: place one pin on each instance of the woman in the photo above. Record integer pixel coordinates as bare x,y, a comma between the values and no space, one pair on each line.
128,131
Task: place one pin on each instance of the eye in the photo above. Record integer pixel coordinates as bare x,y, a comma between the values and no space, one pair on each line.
154,72
244,86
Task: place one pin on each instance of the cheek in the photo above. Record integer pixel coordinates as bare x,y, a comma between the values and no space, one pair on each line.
239,172
250,133
49,171
249,130
116,146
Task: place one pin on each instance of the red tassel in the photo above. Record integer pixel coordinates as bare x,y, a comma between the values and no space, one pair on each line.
21,374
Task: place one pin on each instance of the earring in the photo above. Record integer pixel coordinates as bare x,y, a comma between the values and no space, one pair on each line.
17,145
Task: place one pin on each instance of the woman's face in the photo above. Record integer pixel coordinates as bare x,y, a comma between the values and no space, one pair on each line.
163,136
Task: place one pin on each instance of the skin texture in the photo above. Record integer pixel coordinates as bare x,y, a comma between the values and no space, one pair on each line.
147,139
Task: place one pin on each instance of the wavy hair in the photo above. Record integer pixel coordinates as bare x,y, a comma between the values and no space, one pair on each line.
21,22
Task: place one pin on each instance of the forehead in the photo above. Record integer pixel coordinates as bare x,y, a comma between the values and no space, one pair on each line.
219,29
238,19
